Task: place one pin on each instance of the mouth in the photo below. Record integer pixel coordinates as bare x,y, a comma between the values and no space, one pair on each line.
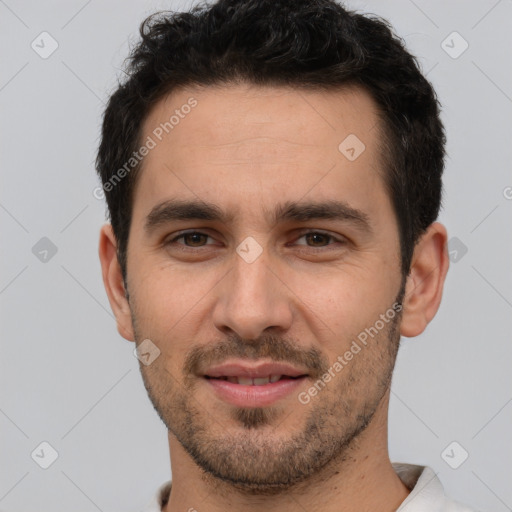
257,381
245,385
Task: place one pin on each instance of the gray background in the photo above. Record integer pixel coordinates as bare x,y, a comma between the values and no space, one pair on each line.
68,378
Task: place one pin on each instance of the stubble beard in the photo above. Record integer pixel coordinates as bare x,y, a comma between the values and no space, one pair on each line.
258,457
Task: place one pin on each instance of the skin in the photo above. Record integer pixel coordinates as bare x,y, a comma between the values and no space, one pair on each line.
246,149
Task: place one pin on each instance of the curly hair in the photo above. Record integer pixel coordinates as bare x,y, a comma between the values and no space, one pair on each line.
309,44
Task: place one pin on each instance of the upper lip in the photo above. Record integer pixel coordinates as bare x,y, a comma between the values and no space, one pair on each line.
254,371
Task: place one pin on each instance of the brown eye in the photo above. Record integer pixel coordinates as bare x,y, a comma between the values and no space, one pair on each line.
319,239
191,239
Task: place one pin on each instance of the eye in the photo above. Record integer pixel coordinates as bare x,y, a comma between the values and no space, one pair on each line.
195,237
319,239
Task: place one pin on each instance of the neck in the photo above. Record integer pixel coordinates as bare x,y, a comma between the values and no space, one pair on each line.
363,479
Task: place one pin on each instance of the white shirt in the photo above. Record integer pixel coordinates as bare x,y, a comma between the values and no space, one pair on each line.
427,493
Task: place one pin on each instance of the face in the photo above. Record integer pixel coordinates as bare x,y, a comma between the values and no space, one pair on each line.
263,243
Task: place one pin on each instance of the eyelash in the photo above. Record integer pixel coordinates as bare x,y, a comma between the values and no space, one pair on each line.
198,249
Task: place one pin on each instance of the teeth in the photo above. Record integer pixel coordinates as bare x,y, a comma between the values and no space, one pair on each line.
260,381
244,381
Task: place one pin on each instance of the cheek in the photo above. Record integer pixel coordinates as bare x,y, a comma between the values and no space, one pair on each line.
346,302
167,298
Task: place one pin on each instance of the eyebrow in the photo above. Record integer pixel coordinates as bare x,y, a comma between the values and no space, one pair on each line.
298,211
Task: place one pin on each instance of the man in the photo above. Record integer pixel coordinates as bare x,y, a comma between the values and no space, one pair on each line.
273,177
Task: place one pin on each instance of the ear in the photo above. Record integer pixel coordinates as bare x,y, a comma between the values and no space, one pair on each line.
113,282
424,286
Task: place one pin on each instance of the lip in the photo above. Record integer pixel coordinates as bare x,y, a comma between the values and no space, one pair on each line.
254,396
246,369
242,395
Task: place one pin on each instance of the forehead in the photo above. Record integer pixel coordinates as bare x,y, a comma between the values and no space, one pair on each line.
303,117
250,145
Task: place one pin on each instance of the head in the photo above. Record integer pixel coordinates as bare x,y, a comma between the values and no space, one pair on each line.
300,148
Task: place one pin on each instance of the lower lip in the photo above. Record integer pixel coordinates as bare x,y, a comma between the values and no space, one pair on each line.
254,396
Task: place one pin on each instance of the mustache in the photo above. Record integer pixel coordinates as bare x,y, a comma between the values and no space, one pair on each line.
268,346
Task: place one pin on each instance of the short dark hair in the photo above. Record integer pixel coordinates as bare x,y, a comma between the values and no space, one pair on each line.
308,44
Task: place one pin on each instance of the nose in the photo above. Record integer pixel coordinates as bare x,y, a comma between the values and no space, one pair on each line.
252,298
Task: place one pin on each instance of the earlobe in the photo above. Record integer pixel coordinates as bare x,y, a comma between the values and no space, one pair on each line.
424,287
113,282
